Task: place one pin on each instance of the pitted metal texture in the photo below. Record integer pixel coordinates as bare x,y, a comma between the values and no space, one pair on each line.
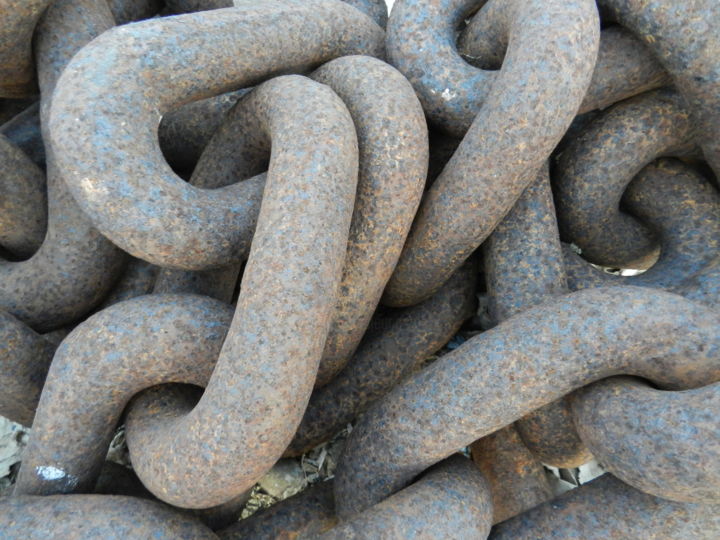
95,516
660,442
75,266
283,317
594,169
528,107
524,267
680,35
682,209
561,345
607,508
397,342
121,84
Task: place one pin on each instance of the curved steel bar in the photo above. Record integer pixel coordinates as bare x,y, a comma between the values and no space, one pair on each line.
393,167
524,267
452,500
17,69
478,388
283,315
23,201
306,514
25,358
683,208
663,443
595,168
534,98
517,479
682,36
164,220
396,343
607,508
75,266
625,66
110,517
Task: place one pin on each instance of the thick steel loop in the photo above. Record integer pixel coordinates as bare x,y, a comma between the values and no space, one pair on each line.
164,220
527,108
607,508
561,345
663,443
680,35
75,266
683,209
594,169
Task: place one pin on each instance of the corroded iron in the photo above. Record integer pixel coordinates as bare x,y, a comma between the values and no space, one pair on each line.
224,153
283,317
527,107
517,479
452,500
523,363
25,358
95,516
607,508
397,342
308,513
683,209
663,443
137,201
524,267
393,167
594,169
75,266
17,70
23,130
625,66
23,201
375,9
681,36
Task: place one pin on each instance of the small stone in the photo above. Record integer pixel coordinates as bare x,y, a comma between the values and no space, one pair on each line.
285,479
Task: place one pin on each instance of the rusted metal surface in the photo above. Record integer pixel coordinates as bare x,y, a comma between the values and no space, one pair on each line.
452,500
375,9
263,155
683,209
126,11
625,66
185,132
681,36
523,363
95,516
391,178
164,220
422,45
396,343
282,318
17,70
75,266
25,358
594,169
663,443
23,130
306,514
393,167
550,62
23,202
523,268
607,508
517,479
138,279
122,344
703,287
